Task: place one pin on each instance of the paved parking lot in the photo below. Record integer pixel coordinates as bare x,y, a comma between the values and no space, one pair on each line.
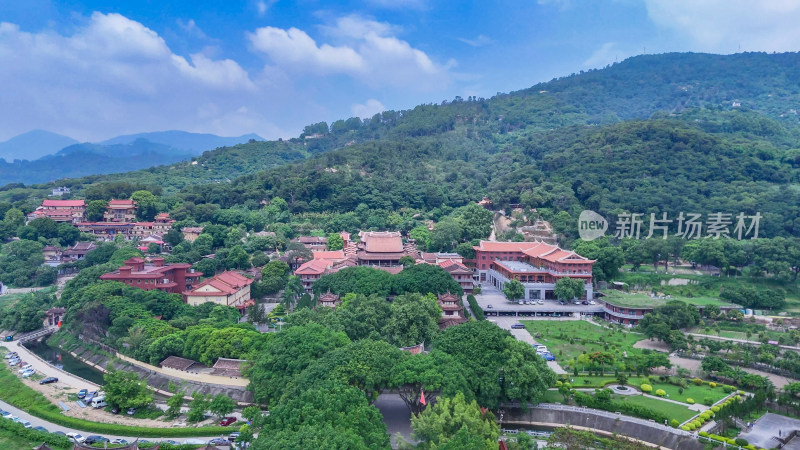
494,303
522,334
770,425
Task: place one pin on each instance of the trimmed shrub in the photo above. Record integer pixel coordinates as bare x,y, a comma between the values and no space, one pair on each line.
697,423
661,393
728,388
741,442
708,401
690,401
685,428
712,385
715,409
674,423
697,381
741,392
558,383
646,387
703,433
476,309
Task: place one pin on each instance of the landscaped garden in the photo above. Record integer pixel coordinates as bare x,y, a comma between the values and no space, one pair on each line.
673,410
567,340
634,300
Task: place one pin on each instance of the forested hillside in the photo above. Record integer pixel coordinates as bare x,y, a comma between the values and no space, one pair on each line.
676,132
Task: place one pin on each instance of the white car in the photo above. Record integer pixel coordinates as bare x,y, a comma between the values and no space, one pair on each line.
25,368
489,306
540,301
194,442
28,373
592,302
11,355
7,415
76,437
24,423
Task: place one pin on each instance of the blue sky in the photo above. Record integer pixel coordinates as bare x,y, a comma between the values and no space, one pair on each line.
96,69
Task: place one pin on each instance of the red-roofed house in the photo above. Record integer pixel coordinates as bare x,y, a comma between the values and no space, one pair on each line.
71,211
120,211
535,264
311,271
228,288
172,278
460,274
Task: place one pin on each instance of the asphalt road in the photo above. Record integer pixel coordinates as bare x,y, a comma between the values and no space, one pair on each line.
35,421
522,334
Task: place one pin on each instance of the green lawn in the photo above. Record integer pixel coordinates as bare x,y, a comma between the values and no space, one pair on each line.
620,298
568,339
675,411
696,393
9,440
552,397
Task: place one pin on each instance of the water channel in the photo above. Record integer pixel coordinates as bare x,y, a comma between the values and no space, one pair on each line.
65,361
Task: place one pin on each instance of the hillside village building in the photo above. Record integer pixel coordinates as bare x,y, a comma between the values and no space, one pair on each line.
227,289
69,211
382,250
172,278
535,264
120,211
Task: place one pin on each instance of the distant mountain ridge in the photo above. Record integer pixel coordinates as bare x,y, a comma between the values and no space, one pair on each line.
196,143
119,154
33,145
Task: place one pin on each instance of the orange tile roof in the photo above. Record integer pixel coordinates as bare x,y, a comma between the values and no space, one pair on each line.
63,203
313,267
122,203
382,242
492,246
333,255
227,282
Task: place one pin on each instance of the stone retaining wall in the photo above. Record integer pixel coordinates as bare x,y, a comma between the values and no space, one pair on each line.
548,415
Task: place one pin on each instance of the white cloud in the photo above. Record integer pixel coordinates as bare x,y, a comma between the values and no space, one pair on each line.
295,49
114,76
608,53
262,6
727,26
190,27
366,50
479,41
368,109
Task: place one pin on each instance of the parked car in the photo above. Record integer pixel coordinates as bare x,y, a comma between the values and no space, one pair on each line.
562,302
49,380
120,441
548,356
10,355
24,367
24,423
585,302
220,441
95,439
233,436
6,415
191,441
592,302
89,396
227,421
576,302
41,428
489,306
14,362
115,410
131,411
60,433
540,301
28,373
518,326
171,442
82,393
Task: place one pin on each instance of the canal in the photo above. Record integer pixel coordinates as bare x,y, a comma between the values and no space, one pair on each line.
65,361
